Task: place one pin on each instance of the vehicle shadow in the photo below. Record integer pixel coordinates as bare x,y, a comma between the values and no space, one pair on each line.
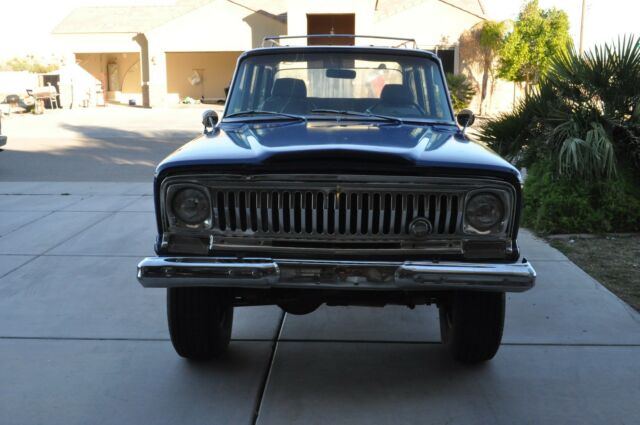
94,154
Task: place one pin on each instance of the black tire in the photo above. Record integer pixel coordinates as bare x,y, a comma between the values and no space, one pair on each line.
200,321
471,325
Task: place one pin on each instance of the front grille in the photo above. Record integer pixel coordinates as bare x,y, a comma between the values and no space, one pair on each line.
359,213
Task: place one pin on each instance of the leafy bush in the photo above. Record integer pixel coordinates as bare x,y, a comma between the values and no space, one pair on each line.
563,205
30,63
461,90
579,133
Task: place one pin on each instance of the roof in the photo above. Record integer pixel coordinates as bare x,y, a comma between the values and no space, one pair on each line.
474,7
140,19
338,48
391,7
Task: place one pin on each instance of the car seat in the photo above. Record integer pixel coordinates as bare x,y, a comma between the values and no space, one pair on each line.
288,95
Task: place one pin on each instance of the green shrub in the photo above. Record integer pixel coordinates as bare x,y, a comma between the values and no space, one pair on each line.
564,205
461,90
584,115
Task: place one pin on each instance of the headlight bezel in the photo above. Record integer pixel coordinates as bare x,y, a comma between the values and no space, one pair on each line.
502,226
172,218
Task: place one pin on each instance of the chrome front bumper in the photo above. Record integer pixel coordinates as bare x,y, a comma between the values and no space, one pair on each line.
168,272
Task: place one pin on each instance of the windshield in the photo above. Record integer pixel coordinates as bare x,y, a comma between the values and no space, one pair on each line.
343,83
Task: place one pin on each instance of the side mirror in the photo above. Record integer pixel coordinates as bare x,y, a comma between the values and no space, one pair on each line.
465,118
209,120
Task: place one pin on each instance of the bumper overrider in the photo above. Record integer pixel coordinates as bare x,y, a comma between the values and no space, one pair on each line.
169,272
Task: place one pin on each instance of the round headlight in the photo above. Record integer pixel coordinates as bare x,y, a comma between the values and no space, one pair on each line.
191,206
484,211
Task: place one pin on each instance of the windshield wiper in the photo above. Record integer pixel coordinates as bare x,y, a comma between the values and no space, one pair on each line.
357,114
273,113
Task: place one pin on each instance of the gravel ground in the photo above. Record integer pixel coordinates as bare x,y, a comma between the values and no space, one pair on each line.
612,260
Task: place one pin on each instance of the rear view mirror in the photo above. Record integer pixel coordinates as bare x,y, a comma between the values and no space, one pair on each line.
209,120
345,74
465,118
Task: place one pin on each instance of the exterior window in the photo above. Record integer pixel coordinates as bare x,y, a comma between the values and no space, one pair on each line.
448,59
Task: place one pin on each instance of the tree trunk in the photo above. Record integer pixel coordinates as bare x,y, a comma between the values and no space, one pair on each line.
485,81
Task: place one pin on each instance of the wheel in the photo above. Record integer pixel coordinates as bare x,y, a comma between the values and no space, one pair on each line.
200,321
471,325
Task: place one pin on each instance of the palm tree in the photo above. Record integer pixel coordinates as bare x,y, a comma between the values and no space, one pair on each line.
480,47
490,39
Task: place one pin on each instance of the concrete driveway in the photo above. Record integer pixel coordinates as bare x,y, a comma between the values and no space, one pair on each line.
82,342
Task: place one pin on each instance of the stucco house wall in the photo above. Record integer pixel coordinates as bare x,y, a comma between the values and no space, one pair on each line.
432,23
208,38
214,68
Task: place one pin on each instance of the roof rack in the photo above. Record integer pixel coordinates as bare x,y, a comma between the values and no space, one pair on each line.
276,40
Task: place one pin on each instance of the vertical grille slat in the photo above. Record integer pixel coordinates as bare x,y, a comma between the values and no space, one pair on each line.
227,207
370,213
403,212
392,214
380,209
247,211
426,205
315,211
436,222
259,211
269,199
359,213
459,215
347,227
216,208
236,207
292,211
336,213
279,202
447,220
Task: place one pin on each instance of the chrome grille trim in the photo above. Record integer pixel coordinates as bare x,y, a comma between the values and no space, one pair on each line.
355,212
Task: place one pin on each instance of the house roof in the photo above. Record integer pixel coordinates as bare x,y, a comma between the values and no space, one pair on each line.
474,7
391,7
140,19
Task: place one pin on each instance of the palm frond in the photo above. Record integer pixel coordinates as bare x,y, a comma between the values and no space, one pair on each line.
590,156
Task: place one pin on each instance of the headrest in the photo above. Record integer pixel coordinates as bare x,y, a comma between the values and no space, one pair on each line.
395,94
289,87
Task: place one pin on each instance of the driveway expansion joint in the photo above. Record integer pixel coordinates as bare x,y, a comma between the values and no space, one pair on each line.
267,374
44,253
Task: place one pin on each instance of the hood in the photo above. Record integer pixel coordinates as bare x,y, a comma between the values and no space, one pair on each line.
317,146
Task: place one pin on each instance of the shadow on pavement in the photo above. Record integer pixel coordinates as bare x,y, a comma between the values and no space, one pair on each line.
98,154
